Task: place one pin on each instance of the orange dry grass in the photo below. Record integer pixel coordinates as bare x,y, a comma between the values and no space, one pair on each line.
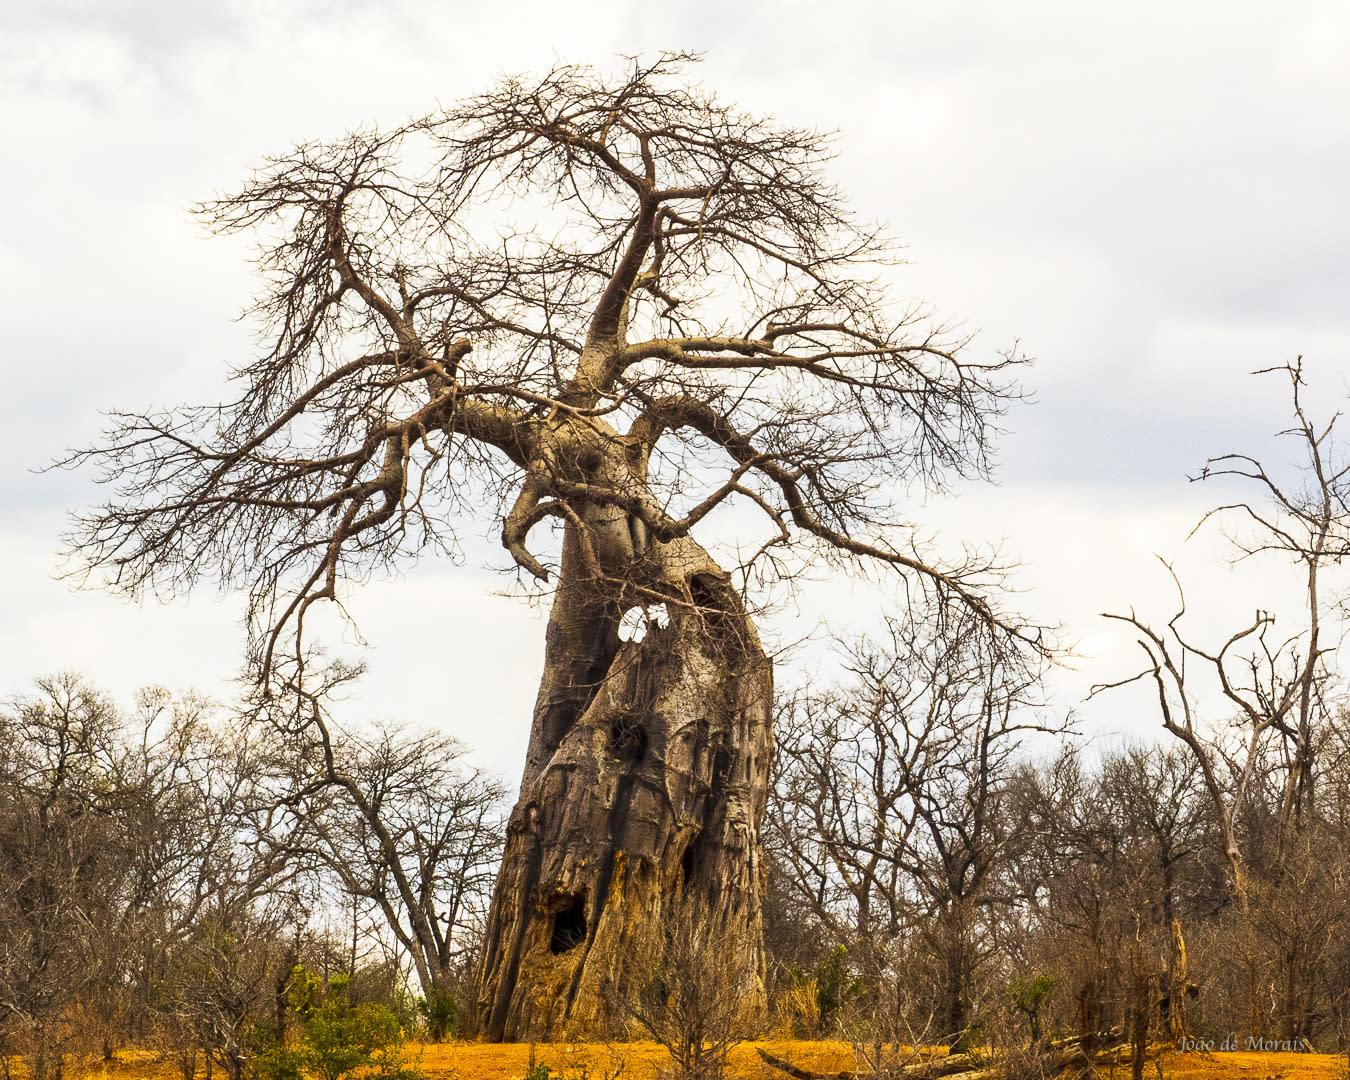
643,1060
510,1061
599,1061
1251,1066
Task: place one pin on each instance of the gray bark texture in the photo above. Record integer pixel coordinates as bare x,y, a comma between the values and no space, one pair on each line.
644,789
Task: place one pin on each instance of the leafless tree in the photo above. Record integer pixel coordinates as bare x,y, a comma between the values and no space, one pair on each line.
1157,795
615,306
888,804
684,990
1273,683
1297,920
1118,868
211,800
233,903
221,985
1067,877
62,861
412,833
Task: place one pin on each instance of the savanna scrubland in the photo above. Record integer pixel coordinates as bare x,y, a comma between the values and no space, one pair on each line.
604,316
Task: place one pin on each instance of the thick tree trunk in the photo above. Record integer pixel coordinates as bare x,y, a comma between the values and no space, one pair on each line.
643,790
952,1003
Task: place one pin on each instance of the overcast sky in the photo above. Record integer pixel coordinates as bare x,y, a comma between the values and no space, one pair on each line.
1151,198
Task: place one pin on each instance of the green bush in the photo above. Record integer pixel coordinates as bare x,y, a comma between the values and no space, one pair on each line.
833,985
277,1062
336,1037
1028,996
440,1012
830,986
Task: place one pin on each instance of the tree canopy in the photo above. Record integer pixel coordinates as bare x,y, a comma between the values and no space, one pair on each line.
578,298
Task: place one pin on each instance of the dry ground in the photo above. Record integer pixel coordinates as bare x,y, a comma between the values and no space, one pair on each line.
1252,1066
642,1060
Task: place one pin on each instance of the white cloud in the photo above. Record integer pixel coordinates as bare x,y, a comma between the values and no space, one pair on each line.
1150,197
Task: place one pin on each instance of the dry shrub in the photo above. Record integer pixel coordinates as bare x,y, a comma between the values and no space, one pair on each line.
687,992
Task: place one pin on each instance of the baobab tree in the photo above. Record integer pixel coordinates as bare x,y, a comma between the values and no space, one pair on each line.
615,307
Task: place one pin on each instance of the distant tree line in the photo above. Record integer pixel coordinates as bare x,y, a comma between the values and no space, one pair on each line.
1090,894
939,875
164,872
945,861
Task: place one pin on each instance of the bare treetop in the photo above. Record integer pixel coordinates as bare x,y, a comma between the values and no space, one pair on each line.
600,301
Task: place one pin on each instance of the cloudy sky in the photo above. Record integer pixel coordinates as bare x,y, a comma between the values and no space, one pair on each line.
1150,198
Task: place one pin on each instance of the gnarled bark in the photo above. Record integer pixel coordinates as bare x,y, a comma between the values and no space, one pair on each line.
643,789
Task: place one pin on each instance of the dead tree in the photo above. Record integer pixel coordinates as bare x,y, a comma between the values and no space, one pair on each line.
889,804
612,307
64,860
410,832
1272,683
